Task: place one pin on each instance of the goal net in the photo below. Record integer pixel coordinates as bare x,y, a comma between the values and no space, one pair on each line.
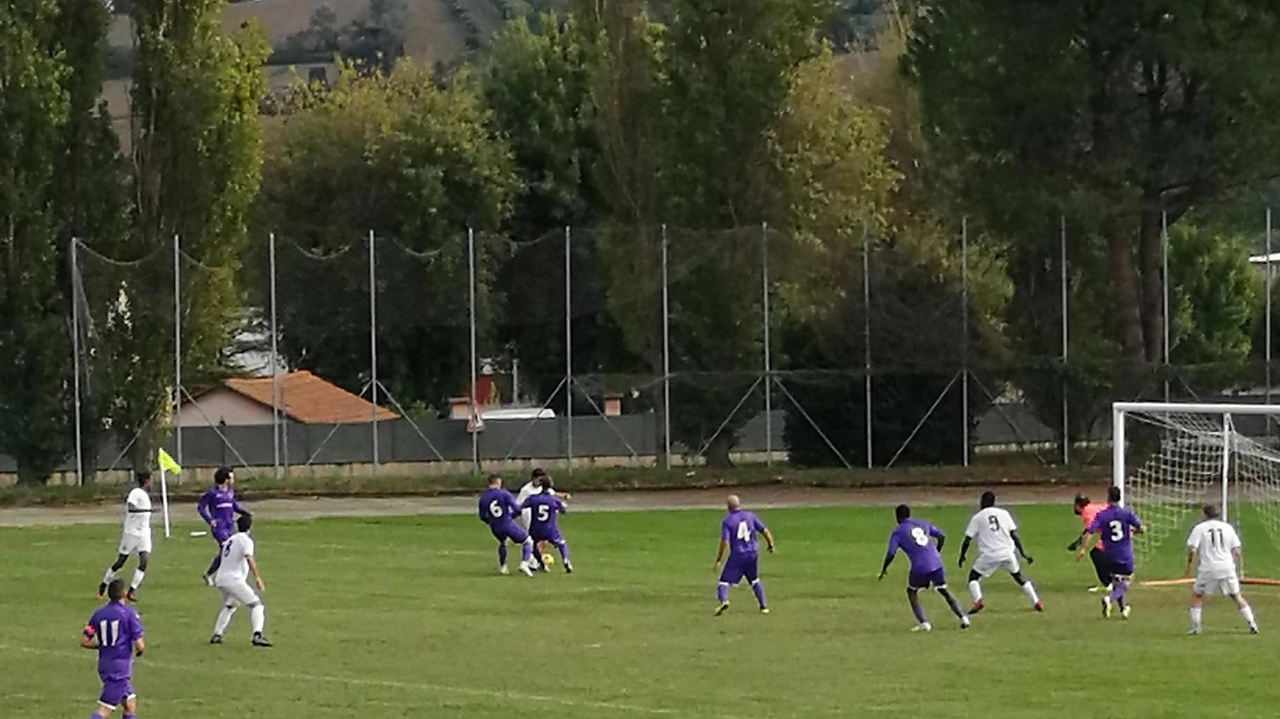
1169,460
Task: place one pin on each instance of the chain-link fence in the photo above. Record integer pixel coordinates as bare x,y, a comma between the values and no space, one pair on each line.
609,346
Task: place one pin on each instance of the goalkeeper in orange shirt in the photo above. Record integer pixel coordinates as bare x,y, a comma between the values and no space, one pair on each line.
1086,510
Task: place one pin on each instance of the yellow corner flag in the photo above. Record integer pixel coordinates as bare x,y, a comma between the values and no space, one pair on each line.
167,463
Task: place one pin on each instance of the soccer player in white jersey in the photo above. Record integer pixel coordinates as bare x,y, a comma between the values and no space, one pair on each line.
232,581
998,540
135,537
1219,548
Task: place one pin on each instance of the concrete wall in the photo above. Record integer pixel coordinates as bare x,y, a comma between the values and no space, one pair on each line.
222,406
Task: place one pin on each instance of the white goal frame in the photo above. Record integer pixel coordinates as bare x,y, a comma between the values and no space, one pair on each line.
1230,451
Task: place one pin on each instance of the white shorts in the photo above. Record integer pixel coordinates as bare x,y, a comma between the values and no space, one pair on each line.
987,565
238,593
135,544
526,516
1206,586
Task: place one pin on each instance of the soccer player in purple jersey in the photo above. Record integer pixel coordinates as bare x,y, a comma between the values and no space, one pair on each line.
498,509
738,532
1117,525
218,508
543,508
912,536
115,632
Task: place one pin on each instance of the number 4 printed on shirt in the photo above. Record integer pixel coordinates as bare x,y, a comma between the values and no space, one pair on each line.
744,532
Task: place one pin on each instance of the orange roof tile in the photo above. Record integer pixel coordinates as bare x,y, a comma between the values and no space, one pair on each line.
309,399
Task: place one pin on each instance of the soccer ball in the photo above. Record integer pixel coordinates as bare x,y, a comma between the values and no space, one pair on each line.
548,560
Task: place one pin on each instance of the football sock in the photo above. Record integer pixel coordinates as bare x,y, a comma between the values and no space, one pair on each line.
1195,618
564,549
758,589
224,618
526,551
1117,592
722,592
1030,591
918,610
110,575
502,555
951,602
213,566
257,617
975,590
1247,613
138,576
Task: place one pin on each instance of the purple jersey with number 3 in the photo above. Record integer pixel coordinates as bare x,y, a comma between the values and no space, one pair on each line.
912,537
1116,525
739,530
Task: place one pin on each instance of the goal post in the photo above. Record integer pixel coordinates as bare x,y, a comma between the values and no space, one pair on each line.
1170,459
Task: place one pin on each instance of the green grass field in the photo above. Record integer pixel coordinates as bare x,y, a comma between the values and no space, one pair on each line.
407,617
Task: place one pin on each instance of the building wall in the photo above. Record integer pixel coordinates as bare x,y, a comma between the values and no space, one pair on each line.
222,406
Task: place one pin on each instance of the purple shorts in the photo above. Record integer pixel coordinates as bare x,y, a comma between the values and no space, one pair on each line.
552,537
509,531
743,565
221,534
1120,569
114,692
927,580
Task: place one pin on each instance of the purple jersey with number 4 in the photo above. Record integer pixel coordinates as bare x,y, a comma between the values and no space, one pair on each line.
1116,525
116,626
912,537
543,510
739,529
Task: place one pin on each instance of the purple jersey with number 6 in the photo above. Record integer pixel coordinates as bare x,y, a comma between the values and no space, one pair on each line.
739,529
1116,525
912,537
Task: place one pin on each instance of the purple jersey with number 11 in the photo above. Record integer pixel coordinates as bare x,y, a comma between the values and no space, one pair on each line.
912,537
739,530
1116,525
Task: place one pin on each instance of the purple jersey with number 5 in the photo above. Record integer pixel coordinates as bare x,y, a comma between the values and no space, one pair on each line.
1116,525
739,530
912,537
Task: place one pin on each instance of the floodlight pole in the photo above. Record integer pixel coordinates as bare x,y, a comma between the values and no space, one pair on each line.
75,349
666,358
964,329
866,336
1066,426
768,356
177,345
275,368
373,348
475,413
1267,348
568,345
1164,284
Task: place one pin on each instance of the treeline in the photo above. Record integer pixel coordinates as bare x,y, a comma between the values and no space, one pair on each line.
705,116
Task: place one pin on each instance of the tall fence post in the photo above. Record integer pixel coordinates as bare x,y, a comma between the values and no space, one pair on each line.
275,354
373,348
666,358
866,336
964,329
1066,425
177,345
1267,347
768,356
475,412
75,360
1164,288
568,344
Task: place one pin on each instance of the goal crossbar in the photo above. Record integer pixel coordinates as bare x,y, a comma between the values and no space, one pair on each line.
1172,407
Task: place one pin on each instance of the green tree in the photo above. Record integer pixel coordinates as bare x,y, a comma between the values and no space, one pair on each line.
196,144
415,164
1109,113
34,352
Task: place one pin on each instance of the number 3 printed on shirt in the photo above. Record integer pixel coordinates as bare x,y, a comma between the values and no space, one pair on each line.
920,536
1117,530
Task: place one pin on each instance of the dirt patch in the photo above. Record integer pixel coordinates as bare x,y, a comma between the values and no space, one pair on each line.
754,497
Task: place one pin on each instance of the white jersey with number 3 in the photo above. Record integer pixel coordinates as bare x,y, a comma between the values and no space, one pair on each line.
990,529
236,552
1214,540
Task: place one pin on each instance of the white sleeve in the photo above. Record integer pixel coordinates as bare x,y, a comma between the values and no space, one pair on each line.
971,531
1013,526
134,501
247,545
1193,539
1233,539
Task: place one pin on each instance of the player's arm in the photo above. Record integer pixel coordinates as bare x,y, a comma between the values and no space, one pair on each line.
1086,541
134,508
1017,543
139,646
235,507
768,537
1191,558
253,569
939,535
1235,554
724,545
889,554
89,638
964,549
203,508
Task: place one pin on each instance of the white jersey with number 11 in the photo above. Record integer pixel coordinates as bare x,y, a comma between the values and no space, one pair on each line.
1214,540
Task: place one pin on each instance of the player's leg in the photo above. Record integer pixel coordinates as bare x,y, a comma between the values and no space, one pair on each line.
131,706
975,590
562,547
216,563
1101,568
114,693
258,620
1196,608
111,573
1120,578
1232,588
502,556
1028,589
913,598
731,574
751,570
101,711
228,611
953,604
139,574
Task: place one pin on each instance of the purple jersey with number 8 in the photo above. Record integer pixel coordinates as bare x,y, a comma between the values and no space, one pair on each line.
912,537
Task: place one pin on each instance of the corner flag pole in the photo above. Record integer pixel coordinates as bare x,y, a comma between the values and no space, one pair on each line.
166,465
